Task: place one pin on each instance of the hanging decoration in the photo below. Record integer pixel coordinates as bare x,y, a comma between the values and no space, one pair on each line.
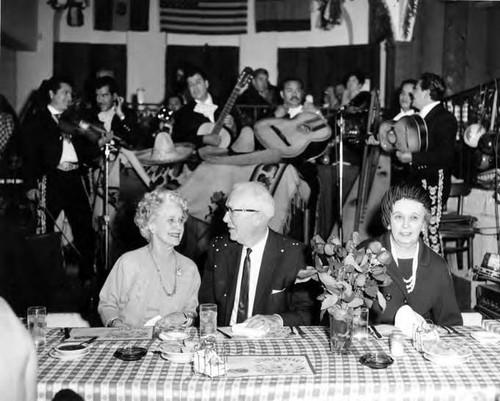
74,16
330,12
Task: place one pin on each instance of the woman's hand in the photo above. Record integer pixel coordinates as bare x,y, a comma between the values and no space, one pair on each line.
118,323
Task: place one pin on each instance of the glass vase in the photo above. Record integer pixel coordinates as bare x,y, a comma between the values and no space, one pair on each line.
341,330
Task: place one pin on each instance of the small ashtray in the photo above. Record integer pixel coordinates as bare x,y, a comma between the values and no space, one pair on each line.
377,360
72,348
130,353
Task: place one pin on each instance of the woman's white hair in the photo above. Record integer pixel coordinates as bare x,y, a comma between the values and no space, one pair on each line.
149,205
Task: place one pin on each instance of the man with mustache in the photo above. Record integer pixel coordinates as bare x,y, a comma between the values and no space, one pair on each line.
251,274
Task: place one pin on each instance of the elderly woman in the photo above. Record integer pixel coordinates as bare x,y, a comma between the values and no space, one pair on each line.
421,279
154,281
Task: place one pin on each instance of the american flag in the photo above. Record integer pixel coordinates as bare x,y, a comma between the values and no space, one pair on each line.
204,17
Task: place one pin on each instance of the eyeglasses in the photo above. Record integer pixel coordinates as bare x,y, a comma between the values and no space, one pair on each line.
231,210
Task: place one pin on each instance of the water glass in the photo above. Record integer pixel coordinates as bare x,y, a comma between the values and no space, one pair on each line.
208,320
37,324
360,324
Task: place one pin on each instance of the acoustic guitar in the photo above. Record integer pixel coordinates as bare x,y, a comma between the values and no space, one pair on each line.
218,128
306,134
408,134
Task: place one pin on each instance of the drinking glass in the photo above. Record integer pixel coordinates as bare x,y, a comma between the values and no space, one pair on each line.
37,324
360,324
208,320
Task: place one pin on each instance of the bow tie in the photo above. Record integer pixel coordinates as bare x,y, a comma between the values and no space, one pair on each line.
207,110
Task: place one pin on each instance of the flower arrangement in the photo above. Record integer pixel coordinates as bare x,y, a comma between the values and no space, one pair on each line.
350,277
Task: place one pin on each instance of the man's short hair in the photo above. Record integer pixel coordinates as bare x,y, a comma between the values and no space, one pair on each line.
101,82
193,71
290,79
52,84
435,84
262,199
259,71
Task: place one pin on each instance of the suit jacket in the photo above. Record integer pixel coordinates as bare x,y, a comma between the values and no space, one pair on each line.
276,290
127,129
442,128
187,122
433,296
41,148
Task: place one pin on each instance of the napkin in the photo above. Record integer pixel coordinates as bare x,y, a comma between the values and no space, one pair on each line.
486,337
407,319
152,321
242,330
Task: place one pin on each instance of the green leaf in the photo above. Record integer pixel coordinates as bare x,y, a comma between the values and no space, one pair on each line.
368,302
360,280
329,301
381,300
371,291
327,279
356,302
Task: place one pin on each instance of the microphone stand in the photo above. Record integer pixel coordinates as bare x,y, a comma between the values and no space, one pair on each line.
339,156
105,218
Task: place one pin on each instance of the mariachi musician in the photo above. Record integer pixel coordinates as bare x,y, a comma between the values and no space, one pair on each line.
52,169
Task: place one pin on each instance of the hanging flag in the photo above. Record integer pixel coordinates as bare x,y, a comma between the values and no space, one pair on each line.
204,17
121,15
282,15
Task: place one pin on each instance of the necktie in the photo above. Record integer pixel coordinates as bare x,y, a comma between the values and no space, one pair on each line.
245,280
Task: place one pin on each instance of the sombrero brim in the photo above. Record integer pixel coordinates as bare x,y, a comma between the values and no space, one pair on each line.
214,155
181,152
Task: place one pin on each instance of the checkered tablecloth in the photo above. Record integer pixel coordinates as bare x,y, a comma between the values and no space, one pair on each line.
100,376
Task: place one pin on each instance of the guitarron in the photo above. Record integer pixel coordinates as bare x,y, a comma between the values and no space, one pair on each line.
408,134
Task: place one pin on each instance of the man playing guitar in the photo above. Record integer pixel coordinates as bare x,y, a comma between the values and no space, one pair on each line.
200,110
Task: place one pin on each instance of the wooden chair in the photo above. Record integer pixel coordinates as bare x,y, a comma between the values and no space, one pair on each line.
458,230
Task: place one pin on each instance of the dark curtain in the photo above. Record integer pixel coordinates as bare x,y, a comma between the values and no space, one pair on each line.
81,61
219,63
324,66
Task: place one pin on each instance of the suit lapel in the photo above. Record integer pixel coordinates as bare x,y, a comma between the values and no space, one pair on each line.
264,284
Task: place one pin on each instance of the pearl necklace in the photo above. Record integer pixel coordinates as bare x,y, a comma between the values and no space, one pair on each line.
410,282
178,272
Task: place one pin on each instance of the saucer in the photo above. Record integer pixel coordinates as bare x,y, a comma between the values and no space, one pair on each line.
54,353
177,357
173,336
72,348
130,353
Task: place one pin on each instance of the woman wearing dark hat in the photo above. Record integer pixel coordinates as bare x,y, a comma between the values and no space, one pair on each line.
422,286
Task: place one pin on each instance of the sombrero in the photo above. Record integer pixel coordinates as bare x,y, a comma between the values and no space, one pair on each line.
165,151
241,153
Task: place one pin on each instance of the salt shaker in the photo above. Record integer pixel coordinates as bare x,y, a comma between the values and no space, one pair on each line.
396,343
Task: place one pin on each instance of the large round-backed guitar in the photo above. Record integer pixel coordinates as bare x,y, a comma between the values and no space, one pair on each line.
408,134
306,134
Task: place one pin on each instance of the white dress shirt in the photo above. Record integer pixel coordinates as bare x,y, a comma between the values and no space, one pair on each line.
255,263
427,108
68,151
106,117
403,113
207,108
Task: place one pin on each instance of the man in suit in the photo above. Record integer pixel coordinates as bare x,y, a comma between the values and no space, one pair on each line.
432,168
251,275
52,169
201,109
113,114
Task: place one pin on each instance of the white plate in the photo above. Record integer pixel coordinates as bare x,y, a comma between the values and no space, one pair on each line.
173,335
178,357
446,360
56,354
